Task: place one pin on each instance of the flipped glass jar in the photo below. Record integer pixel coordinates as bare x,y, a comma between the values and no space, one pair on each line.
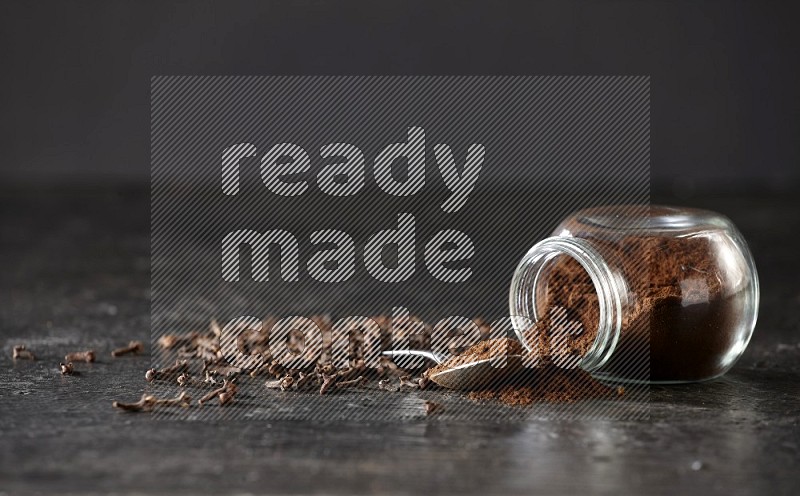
640,293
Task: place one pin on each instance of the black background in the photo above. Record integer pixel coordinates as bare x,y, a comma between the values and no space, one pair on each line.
76,75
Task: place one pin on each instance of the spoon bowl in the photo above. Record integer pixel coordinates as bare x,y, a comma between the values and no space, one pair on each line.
468,376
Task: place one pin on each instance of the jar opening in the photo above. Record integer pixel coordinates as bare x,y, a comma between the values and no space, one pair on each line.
528,296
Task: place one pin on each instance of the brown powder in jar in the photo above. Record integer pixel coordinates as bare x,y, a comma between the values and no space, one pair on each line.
677,325
681,315
567,328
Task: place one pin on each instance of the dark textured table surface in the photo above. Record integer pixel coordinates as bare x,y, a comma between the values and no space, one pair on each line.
76,275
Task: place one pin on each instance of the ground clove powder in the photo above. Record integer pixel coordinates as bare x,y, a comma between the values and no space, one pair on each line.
544,382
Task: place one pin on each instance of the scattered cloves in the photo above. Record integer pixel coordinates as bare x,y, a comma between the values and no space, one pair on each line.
133,347
80,356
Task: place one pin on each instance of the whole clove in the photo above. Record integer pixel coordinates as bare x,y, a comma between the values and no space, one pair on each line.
145,404
387,367
359,381
183,400
225,370
227,387
286,383
167,373
21,352
210,378
327,383
149,402
408,382
225,397
133,347
170,341
185,380
67,368
433,408
327,369
87,356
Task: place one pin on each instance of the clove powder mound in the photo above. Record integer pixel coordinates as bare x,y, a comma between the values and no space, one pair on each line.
550,384
545,382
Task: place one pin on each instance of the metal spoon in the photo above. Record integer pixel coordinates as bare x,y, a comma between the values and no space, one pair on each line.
467,376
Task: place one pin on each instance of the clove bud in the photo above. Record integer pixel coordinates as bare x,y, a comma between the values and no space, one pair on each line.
183,400
133,347
433,408
80,356
148,402
67,368
327,383
406,381
167,373
227,387
184,380
170,341
359,381
286,383
23,353
225,397
145,404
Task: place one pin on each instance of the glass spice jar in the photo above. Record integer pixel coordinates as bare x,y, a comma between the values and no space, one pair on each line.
638,293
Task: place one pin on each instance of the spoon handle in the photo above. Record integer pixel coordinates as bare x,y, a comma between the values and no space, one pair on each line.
427,354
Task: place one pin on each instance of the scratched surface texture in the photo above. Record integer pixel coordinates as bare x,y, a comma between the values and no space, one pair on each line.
76,275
